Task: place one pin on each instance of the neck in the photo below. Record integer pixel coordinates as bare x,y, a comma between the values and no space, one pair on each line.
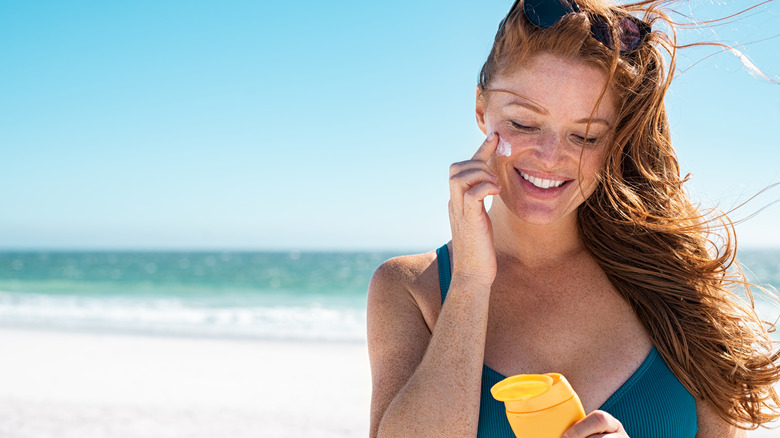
530,244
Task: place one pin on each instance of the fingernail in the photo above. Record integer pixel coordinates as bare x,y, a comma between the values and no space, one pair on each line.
491,136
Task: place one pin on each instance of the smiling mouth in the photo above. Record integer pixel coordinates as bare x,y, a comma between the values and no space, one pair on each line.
542,183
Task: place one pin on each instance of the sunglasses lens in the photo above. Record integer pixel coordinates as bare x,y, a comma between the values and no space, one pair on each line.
631,32
600,30
630,35
545,13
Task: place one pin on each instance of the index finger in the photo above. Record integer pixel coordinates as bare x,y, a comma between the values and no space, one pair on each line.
487,148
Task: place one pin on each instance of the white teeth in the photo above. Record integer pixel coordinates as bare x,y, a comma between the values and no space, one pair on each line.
541,183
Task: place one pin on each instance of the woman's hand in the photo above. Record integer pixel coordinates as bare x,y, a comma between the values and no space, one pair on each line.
474,257
597,424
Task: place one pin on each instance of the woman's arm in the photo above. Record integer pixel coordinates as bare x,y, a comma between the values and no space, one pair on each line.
428,384
424,384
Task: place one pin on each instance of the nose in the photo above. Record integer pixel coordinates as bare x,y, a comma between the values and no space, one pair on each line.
548,150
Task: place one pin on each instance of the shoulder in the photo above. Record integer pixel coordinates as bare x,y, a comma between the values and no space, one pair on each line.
406,287
412,274
712,425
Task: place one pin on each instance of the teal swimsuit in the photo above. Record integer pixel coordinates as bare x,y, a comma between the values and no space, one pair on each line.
652,403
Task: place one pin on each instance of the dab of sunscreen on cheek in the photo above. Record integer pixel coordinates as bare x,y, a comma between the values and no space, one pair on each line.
504,149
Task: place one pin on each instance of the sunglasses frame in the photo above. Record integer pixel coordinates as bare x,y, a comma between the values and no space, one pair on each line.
546,13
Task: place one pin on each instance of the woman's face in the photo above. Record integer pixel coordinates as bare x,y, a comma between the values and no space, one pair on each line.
546,163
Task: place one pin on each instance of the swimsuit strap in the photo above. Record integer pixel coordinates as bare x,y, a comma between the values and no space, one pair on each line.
445,274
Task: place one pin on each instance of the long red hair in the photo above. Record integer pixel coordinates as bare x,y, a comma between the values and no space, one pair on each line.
672,263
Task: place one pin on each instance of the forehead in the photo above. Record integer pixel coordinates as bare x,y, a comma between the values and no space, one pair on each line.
564,87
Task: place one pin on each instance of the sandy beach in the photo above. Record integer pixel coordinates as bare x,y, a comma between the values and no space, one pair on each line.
58,384
55,384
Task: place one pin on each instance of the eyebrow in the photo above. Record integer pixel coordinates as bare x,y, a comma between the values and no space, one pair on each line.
604,122
528,104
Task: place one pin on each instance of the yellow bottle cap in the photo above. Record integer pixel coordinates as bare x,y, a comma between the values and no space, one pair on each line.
532,392
521,387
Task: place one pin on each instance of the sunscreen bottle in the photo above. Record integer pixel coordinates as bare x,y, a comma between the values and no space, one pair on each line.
539,405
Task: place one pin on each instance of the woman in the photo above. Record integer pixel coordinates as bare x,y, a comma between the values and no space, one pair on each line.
592,262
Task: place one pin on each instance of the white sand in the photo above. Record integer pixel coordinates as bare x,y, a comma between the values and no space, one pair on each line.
87,385
70,385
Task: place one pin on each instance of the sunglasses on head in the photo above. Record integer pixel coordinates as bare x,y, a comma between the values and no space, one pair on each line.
631,31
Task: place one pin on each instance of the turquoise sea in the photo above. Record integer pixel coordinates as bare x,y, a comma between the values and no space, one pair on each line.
257,295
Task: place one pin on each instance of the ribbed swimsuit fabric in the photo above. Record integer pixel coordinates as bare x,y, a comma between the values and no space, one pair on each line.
652,403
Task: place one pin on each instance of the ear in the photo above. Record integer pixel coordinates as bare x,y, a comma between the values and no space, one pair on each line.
480,110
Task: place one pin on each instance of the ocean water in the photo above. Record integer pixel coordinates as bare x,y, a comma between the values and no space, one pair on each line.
269,295
256,295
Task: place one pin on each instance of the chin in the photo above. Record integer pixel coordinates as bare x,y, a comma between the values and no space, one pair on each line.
538,216
539,213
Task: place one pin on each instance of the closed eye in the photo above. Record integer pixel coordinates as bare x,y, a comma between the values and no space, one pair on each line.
522,128
589,141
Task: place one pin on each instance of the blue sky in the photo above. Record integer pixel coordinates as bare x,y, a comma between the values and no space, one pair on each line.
306,125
